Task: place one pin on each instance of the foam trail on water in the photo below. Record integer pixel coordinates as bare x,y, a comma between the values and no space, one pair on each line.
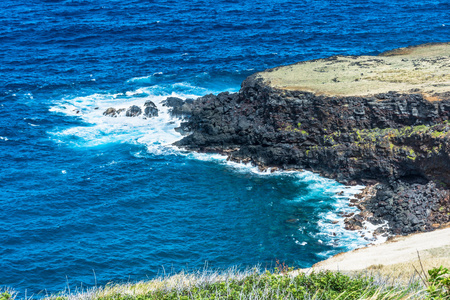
146,79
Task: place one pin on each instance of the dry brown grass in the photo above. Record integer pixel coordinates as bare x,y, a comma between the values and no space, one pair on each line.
424,68
405,271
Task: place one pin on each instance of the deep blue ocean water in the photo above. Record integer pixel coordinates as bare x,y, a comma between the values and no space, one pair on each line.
87,199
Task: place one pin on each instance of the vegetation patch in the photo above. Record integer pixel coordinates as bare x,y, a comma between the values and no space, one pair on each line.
395,139
281,284
293,128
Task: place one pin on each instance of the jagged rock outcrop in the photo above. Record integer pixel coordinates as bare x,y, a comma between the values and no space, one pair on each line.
179,108
150,109
346,138
133,111
399,138
112,112
410,207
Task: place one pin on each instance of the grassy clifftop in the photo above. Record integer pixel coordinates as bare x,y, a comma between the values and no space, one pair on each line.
424,69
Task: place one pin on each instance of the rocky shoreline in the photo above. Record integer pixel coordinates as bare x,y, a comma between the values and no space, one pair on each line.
380,121
396,142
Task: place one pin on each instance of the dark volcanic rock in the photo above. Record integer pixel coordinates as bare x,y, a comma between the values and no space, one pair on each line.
410,207
150,109
300,130
133,111
173,102
399,136
407,206
110,112
178,107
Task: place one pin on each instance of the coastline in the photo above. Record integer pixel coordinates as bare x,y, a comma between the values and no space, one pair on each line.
394,142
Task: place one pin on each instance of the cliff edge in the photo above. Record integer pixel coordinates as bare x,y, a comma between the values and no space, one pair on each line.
378,120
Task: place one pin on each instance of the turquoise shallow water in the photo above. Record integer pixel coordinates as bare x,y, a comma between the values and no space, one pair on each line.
82,194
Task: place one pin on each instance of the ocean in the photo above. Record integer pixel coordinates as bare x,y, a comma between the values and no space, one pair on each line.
87,199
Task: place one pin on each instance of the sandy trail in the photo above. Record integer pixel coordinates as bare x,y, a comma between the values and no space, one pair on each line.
395,257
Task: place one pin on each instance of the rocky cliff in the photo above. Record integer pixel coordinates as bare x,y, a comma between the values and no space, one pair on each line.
371,119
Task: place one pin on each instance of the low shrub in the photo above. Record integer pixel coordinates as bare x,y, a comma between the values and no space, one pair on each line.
5,296
439,283
254,285
323,285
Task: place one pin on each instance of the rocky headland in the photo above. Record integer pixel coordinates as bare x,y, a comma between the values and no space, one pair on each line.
382,121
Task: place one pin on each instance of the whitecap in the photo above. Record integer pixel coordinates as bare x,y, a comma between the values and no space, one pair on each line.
301,243
148,79
156,133
143,79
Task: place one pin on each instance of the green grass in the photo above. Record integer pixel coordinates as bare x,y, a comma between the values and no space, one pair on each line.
254,285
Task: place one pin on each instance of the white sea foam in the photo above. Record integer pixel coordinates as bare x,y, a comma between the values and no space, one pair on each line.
331,224
3,138
156,132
